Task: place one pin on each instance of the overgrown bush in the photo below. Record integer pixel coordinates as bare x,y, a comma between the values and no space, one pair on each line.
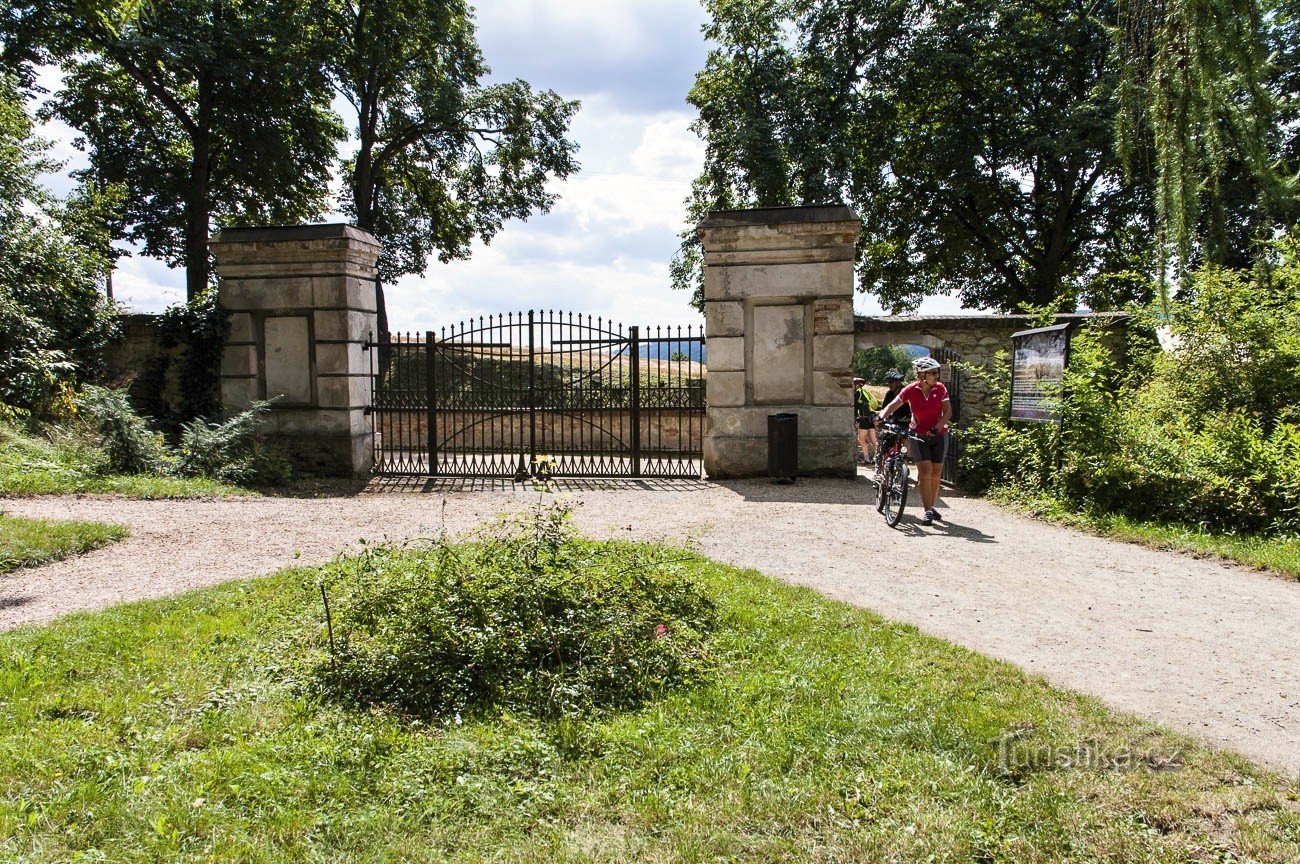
526,617
1206,433
180,382
229,452
128,445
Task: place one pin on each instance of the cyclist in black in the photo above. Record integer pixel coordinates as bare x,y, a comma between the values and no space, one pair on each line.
894,380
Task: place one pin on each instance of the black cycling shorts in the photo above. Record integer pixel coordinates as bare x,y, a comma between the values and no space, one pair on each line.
868,422
927,448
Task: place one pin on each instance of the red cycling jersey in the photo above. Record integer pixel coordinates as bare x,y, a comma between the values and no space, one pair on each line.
926,413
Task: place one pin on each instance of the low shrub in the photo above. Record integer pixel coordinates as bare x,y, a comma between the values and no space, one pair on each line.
526,617
127,443
231,452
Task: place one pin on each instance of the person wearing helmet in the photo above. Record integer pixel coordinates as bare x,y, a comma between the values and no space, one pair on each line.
894,381
865,405
927,439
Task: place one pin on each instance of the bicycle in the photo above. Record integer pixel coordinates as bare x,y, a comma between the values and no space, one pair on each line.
892,472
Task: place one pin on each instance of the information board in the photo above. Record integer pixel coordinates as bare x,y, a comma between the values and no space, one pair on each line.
1038,359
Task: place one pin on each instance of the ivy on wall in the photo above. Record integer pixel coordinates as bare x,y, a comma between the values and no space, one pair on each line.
181,380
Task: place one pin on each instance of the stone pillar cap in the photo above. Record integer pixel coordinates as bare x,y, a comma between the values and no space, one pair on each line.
293,233
779,215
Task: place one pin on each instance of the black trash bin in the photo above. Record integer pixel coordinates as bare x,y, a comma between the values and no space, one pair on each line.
782,447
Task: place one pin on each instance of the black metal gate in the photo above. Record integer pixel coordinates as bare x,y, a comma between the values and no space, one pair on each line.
537,394
950,375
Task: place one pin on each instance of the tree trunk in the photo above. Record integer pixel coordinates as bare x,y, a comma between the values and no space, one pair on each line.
197,210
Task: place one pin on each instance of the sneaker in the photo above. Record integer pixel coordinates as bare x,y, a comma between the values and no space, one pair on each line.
928,518
934,514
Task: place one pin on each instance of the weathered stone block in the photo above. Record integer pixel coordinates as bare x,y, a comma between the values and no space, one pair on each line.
726,354
351,391
265,294
238,394
345,292
342,359
327,422
288,366
734,458
833,353
832,388
833,316
780,280
725,388
241,329
724,318
751,421
777,351
239,360
344,325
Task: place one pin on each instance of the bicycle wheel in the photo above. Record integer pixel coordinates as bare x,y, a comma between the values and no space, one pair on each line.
895,491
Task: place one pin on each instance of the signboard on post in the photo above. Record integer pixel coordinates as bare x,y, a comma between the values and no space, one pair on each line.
1038,359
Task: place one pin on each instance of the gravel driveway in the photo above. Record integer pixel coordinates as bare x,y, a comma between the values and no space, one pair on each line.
1204,647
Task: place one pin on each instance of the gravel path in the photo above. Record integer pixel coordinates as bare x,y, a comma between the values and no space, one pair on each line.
1207,648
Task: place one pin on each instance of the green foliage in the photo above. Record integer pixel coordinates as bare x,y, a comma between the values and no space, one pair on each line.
128,445
228,452
974,139
231,452
1205,434
199,110
528,618
872,364
441,159
54,320
190,340
32,542
1208,92
47,459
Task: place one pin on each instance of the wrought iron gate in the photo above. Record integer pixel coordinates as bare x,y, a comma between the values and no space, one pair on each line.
540,394
951,377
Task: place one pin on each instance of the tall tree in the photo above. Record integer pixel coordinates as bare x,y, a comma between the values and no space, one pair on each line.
203,110
441,159
1208,89
974,138
54,321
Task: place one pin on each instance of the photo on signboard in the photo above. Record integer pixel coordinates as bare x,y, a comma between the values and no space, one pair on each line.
1038,360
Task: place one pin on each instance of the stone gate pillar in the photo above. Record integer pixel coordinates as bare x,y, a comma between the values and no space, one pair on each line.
778,317
301,303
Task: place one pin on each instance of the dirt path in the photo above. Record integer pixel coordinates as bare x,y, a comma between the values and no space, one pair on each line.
1200,646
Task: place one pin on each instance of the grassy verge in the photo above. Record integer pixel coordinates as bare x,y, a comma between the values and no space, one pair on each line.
29,542
1279,554
167,731
60,464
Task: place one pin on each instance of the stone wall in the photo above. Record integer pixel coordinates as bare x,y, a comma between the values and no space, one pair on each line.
663,431
977,338
302,304
778,319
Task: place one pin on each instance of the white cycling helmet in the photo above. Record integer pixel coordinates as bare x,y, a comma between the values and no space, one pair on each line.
926,364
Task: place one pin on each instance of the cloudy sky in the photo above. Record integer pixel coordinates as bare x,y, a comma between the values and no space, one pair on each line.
606,245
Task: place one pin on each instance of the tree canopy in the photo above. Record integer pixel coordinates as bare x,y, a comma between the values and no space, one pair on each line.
54,320
441,158
976,139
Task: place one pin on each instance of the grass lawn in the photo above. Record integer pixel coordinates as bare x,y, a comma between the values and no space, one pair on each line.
167,731
1279,554
29,542
35,465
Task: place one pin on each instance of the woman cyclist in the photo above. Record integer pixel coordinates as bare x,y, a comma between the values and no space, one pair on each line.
865,406
927,433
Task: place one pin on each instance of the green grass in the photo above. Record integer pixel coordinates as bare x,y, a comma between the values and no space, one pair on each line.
29,542
61,463
168,731
1280,554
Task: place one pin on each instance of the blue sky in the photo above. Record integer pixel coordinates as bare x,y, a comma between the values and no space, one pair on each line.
605,247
